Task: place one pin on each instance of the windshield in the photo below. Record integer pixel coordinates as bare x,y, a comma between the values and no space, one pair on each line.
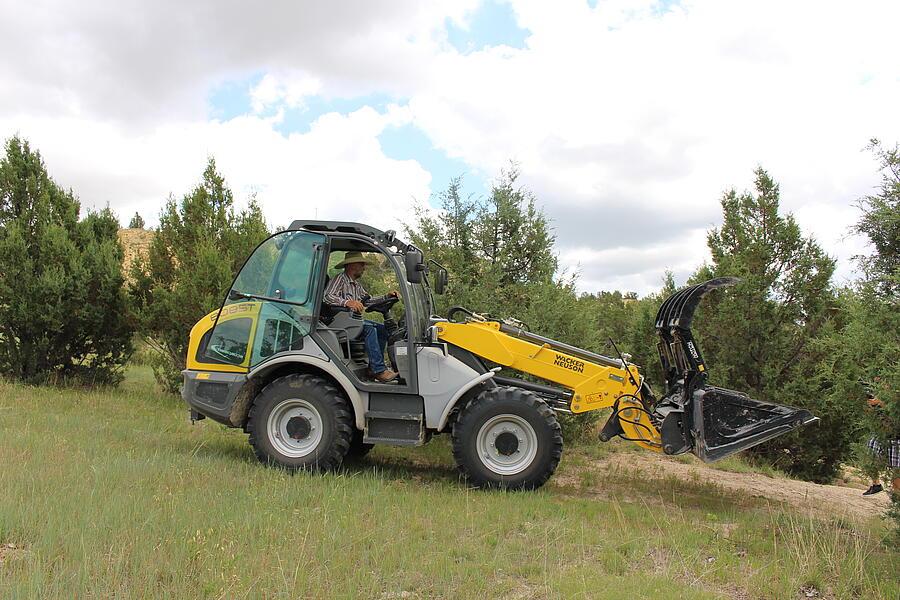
281,268
271,306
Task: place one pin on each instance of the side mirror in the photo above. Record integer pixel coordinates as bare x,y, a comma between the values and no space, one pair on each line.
415,265
440,281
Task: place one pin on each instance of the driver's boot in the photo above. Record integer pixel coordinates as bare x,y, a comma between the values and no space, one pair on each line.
385,376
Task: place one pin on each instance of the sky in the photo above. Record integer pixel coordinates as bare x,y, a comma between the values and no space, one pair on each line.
628,119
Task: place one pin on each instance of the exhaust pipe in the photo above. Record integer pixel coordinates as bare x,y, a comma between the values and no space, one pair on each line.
711,422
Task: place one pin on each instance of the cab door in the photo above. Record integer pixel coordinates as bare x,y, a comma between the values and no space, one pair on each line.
271,306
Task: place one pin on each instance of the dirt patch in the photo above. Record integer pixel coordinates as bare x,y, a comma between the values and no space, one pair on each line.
528,591
810,498
662,563
399,596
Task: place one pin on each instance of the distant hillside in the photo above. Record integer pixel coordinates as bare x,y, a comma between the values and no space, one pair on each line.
135,242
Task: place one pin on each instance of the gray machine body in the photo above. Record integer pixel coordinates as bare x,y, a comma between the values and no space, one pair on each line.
387,413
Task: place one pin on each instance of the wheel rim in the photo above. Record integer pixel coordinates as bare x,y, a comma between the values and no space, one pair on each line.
294,428
507,444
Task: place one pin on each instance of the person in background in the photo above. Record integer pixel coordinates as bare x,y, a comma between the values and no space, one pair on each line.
892,452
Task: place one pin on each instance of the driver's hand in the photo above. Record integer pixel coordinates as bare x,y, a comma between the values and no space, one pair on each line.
394,294
355,305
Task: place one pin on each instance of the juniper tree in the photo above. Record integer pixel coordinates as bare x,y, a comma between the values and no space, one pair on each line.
63,311
762,336
497,249
500,255
137,222
866,353
200,244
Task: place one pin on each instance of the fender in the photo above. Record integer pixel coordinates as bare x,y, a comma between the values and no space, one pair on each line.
322,364
459,394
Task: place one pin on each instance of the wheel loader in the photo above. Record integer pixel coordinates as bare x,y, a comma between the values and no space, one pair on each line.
291,371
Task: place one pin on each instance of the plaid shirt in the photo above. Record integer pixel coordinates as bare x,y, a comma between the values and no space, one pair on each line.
341,289
893,451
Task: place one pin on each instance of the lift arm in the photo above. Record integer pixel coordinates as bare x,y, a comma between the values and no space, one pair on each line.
596,381
711,422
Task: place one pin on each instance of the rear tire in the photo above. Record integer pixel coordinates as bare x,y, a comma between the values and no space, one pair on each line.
300,422
507,438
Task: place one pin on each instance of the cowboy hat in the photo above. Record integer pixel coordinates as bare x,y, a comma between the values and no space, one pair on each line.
355,257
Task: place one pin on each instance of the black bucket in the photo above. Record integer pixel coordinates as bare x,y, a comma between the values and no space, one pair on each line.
726,422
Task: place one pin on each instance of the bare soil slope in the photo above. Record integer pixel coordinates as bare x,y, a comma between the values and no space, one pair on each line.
135,242
810,498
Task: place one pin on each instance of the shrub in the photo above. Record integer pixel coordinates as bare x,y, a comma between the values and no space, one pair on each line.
63,310
764,336
872,346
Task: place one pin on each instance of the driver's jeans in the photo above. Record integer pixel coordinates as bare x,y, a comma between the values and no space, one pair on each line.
376,340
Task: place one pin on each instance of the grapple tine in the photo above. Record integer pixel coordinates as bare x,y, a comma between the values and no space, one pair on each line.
678,309
709,421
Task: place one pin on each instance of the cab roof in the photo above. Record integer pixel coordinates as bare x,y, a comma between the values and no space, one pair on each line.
388,238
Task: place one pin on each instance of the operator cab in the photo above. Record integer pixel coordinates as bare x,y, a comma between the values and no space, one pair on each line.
342,329
275,307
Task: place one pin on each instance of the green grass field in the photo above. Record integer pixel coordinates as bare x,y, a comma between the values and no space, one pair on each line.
114,494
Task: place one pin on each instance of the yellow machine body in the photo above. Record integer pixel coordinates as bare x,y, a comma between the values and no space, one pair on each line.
593,386
197,361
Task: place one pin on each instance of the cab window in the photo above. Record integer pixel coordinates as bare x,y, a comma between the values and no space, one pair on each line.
275,290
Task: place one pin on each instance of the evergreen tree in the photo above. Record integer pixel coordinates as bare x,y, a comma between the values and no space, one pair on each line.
513,235
63,310
762,336
880,223
641,339
137,222
497,249
198,248
499,253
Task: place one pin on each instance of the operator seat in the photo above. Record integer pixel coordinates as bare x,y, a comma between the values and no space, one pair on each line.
347,326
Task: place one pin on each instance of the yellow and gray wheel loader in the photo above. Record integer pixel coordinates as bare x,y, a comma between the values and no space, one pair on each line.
291,370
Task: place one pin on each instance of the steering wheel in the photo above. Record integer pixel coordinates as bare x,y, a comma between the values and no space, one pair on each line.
383,306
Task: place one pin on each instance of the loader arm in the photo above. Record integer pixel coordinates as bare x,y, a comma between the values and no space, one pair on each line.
596,381
691,416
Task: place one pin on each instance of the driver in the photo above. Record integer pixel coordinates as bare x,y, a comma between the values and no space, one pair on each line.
345,290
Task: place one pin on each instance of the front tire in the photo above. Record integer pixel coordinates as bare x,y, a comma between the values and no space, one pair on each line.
507,438
300,422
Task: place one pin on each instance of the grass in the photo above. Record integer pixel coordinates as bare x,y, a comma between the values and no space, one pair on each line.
115,494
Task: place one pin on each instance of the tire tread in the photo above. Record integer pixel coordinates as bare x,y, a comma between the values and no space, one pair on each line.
470,412
328,394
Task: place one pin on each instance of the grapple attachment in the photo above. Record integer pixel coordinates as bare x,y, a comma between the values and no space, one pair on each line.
711,422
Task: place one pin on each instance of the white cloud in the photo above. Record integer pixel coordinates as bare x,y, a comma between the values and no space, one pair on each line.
627,122
633,268
623,111
335,171
283,91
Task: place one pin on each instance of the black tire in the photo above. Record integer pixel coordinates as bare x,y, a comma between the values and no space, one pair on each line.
358,448
299,403
489,413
